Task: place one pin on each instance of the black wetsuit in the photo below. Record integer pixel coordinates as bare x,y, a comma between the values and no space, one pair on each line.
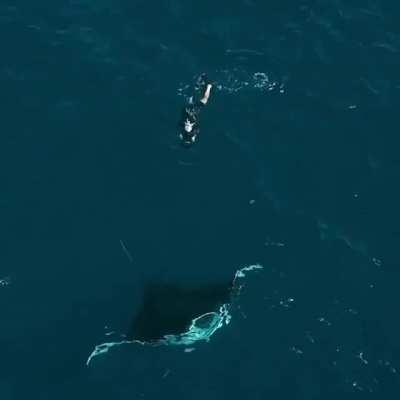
190,112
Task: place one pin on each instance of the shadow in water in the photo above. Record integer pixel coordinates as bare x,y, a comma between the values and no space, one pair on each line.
170,309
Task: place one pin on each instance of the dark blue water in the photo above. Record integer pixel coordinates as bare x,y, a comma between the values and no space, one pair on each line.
296,169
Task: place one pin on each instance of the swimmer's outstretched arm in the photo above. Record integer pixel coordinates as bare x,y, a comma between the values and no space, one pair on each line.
206,95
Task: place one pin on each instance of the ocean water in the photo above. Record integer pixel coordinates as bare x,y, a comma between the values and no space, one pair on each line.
296,171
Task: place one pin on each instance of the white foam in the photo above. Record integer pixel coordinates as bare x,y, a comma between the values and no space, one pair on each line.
234,80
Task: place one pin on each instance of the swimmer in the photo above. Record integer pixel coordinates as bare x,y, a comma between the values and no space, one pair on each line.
189,125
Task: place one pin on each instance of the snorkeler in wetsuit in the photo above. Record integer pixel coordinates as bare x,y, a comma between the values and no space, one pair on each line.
189,124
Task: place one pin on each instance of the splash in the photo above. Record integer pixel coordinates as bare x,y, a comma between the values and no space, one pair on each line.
231,81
